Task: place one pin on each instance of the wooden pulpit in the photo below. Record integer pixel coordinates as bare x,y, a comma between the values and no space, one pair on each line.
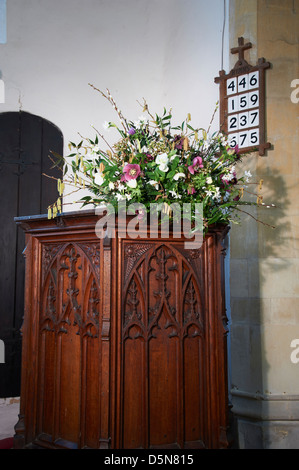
123,340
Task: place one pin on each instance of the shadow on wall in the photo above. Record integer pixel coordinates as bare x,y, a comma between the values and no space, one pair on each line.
260,258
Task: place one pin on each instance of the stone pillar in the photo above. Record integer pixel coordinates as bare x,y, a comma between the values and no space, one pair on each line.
264,262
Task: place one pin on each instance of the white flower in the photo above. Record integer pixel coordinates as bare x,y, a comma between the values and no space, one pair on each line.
162,160
132,183
99,178
209,180
206,145
106,126
92,157
223,140
111,185
95,149
175,195
163,167
247,175
121,187
141,120
179,175
214,194
154,183
217,194
229,176
128,196
120,197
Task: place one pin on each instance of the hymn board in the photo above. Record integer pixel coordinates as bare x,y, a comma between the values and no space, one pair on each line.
242,103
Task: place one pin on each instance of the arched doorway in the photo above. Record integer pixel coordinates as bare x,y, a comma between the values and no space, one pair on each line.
25,144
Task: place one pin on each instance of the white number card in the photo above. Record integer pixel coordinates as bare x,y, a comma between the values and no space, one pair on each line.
231,86
253,98
233,140
253,80
253,117
243,83
233,104
243,120
242,102
233,123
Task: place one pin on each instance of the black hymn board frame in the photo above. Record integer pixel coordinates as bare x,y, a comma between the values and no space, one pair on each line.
242,102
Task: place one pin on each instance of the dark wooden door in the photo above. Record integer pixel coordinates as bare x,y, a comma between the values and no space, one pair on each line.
25,144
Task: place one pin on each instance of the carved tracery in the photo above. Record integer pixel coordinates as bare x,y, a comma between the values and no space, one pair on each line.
71,289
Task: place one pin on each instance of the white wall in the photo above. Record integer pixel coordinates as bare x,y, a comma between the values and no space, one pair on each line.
168,51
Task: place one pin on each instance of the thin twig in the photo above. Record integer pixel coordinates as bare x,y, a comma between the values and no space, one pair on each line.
257,220
107,143
111,101
69,182
212,118
145,108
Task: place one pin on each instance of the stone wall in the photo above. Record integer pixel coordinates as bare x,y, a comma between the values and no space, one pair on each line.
264,262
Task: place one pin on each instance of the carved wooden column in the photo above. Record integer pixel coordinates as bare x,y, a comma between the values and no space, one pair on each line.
124,340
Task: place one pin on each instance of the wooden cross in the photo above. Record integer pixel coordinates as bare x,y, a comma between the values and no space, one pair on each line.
241,48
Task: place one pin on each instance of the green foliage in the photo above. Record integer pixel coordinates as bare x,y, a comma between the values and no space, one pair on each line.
154,161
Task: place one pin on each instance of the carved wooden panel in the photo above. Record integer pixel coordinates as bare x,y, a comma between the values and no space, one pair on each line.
163,348
124,343
69,347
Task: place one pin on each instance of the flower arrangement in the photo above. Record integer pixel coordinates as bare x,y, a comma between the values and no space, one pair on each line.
154,161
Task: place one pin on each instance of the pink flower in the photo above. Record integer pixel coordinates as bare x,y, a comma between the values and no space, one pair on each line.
196,165
140,214
131,172
191,191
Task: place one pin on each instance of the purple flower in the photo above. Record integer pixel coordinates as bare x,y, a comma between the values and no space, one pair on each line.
131,172
178,142
132,131
196,165
149,158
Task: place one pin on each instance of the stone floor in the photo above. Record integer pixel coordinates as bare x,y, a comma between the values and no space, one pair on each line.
8,417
